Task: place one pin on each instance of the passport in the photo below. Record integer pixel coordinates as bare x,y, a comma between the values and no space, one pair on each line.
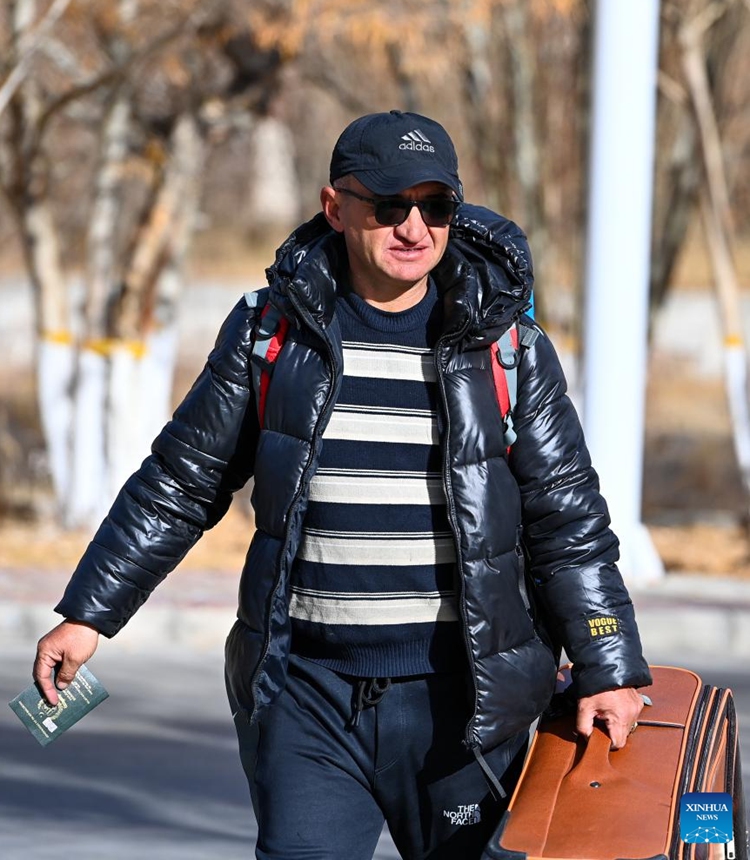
47,723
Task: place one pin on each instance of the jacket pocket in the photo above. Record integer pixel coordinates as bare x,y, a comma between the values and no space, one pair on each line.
527,588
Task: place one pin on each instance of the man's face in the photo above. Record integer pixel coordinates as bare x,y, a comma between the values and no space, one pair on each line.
389,260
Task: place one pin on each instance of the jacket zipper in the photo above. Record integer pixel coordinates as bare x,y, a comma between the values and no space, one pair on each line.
522,574
324,414
468,740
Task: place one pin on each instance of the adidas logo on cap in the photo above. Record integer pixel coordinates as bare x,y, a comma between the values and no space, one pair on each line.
416,140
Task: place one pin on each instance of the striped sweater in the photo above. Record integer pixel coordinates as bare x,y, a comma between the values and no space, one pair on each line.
373,585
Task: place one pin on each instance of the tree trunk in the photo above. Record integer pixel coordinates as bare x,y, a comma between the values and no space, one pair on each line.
124,381
55,347
105,378
87,499
273,200
145,327
26,190
32,41
672,220
487,151
526,136
719,230
679,171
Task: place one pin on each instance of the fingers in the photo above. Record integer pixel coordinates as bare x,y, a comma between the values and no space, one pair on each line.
617,709
44,668
585,718
618,734
67,671
67,646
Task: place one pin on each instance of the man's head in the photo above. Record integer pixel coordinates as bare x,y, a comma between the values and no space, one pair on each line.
393,179
388,152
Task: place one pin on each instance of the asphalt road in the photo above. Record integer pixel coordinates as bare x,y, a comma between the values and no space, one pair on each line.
153,772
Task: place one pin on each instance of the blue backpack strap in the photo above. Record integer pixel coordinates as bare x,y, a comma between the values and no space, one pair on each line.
527,334
267,321
506,376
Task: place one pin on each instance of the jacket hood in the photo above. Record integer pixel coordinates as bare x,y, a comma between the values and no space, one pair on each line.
485,276
305,273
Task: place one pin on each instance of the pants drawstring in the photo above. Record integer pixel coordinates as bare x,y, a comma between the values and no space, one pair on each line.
496,789
367,692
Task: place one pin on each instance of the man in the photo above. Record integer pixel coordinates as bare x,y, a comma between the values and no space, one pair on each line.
386,663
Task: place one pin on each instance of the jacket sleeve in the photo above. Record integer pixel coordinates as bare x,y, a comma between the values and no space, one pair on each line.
201,457
571,547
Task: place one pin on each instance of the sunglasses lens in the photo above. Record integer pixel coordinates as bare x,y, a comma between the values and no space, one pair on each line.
435,213
391,213
438,213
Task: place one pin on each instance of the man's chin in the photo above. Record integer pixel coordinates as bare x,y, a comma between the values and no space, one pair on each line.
410,272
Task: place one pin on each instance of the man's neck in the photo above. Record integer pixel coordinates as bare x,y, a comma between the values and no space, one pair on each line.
392,299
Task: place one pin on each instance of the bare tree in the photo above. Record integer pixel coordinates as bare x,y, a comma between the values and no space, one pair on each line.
150,87
32,41
140,101
475,65
718,221
679,172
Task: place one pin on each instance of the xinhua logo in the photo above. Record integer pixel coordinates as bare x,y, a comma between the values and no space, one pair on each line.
706,817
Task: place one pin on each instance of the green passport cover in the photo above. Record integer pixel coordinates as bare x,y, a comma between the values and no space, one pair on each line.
76,700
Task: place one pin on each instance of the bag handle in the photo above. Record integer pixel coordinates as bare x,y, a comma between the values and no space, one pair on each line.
594,765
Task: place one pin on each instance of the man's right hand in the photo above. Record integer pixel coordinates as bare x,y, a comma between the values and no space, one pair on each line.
68,645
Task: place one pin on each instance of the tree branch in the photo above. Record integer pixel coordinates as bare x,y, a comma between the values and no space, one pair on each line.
332,83
34,40
672,89
195,20
693,62
693,31
63,58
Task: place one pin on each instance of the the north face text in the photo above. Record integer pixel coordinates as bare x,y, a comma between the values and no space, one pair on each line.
468,813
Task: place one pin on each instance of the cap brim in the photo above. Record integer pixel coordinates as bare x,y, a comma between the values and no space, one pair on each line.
396,179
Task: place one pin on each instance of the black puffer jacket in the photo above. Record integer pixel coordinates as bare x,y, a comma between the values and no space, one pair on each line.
542,500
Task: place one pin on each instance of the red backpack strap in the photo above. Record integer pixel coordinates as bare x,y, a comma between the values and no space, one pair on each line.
504,363
505,354
268,339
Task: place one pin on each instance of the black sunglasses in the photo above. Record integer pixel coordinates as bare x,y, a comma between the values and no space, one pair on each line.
392,211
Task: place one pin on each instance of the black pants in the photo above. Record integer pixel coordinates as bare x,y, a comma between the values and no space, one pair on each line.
321,787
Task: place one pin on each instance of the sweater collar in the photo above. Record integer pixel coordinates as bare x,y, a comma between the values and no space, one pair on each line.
485,276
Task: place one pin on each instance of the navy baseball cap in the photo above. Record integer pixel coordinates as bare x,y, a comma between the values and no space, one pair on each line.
388,152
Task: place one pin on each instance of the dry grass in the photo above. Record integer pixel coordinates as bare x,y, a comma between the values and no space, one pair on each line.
230,257
46,547
692,494
693,268
704,548
701,547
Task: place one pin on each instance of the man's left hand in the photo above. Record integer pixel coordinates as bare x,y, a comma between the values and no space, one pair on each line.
617,709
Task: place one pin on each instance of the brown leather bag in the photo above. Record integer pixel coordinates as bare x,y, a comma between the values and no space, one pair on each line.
579,800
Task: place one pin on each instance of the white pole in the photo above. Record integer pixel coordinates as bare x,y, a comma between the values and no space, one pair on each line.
617,266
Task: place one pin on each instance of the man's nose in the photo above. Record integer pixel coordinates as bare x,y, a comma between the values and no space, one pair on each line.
414,228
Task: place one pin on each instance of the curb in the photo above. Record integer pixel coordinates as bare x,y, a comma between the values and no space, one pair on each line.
197,628
694,615
682,615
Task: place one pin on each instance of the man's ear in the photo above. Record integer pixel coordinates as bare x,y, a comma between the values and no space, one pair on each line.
331,208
